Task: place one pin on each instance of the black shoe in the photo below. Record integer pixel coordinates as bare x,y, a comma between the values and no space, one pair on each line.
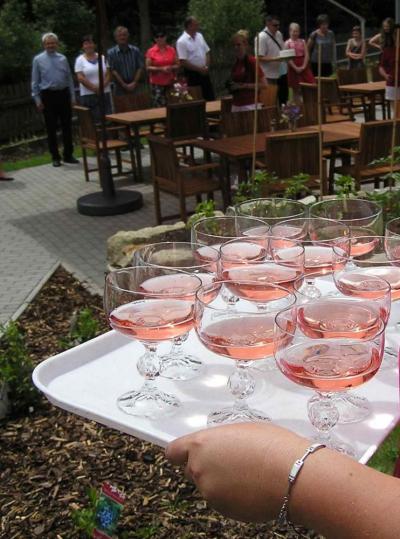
6,178
56,163
72,161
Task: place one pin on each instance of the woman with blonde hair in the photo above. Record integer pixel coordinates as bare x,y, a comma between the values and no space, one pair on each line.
299,68
243,75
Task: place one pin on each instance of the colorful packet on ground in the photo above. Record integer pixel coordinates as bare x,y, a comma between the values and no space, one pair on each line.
109,508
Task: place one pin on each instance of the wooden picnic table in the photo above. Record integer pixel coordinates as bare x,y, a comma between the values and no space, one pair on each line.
241,147
367,89
138,118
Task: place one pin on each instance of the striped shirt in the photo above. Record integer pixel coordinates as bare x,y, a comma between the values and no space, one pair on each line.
125,62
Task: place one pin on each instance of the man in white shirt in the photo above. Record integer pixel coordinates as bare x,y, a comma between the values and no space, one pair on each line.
194,57
270,43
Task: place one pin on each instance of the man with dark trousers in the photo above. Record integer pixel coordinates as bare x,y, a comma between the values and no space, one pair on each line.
54,93
194,57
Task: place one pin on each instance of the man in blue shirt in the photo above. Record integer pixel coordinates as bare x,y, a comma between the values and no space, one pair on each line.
126,63
53,92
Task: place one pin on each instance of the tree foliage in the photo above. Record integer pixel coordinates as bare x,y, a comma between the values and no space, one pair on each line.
21,28
17,41
220,19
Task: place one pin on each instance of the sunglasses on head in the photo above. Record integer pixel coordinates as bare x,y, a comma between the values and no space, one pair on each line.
276,24
159,35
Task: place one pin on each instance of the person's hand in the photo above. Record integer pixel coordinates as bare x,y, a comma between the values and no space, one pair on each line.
241,470
40,107
131,86
167,69
203,70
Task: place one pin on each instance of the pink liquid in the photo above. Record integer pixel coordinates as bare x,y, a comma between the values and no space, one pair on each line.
359,247
331,366
264,275
240,252
241,338
350,284
338,318
289,232
207,256
257,231
318,259
153,319
177,285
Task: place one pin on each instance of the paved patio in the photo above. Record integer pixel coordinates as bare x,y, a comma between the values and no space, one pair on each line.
40,227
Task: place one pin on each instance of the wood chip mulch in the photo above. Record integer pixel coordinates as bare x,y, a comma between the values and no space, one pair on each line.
49,458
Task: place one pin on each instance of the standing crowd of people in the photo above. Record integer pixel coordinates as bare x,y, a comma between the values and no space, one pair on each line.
124,66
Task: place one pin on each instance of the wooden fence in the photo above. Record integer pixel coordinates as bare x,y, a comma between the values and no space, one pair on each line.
19,119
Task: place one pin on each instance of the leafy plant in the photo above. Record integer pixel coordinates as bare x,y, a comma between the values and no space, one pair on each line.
16,370
85,518
253,188
203,209
388,159
84,326
297,185
345,186
389,200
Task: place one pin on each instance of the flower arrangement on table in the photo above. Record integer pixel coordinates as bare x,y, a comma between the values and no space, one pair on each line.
291,114
181,91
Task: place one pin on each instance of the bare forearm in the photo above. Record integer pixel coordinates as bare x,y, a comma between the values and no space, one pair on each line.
334,496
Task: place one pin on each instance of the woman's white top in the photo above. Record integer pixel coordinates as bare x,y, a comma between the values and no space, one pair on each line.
91,72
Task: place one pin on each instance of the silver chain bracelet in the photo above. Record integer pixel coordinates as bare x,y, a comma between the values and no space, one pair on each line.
283,518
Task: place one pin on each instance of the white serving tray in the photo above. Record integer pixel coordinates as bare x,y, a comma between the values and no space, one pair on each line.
86,380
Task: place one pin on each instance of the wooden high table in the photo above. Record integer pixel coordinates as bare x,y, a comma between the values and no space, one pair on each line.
138,118
367,89
241,147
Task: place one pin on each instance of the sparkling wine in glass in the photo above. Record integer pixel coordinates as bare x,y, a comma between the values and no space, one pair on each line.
363,217
150,305
272,210
245,335
318,237
200,260
328,366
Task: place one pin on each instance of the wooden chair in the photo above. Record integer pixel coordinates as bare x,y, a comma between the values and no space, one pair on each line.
268,95
288,154
234,124
359,103
333,108
180,181
375,143
128,102
186,121
90,139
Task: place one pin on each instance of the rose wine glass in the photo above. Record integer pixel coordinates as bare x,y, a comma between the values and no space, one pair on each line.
326,362
244,334
214,231
363,217
194,258
272,210
318,236
150,305
382,260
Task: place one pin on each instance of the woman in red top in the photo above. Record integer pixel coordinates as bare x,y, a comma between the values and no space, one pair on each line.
244,74
299,69
387,68
162,65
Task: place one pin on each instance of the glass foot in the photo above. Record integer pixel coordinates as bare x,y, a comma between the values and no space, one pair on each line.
336,444
233,415
182,367
148,402
352,408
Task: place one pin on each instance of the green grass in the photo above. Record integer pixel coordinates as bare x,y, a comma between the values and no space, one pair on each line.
385,458
34,161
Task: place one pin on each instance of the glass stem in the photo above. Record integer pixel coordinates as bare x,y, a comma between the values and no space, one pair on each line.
241,384
323,414
149,364
310,289
177,346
